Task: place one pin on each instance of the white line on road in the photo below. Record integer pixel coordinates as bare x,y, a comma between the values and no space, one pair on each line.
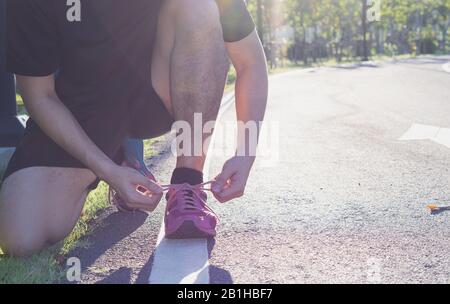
184,261
443,137
446,67
426,132
179,261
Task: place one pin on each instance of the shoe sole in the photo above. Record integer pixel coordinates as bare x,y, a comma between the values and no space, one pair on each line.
188,230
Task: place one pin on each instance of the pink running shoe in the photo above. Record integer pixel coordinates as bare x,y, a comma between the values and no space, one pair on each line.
187,214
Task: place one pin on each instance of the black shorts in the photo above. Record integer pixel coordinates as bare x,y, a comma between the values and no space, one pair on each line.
106,127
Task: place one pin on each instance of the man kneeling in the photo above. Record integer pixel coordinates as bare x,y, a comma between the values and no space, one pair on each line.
128,70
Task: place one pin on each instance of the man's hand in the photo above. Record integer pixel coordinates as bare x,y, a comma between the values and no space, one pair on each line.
231,182
138,191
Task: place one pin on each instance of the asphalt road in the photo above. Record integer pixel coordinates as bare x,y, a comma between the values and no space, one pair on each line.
346,200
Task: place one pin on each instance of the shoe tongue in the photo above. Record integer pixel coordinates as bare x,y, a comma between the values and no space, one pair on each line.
188,193
190,196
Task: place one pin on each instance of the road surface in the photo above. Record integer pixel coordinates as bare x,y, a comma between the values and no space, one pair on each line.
346,200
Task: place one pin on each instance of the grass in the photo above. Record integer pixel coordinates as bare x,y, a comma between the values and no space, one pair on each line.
148,147
39,269
19,99
20,106
48,266
96,201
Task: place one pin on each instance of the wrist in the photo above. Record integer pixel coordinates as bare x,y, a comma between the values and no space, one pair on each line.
104,169
250,159
246,146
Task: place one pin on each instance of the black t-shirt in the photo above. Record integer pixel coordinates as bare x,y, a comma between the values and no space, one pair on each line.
100,50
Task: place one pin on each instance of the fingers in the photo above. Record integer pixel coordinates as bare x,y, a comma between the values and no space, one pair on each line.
142,193
142,200
228,185
234,189
149,185
221,180
147,194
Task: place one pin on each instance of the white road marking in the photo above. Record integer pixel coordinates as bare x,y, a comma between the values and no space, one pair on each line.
443,137
426,132
179,261
420,132
185,261
446,67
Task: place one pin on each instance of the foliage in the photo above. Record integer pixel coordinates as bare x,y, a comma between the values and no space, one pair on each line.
335,28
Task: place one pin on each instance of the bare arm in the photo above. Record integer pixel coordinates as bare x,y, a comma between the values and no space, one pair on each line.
251,89
58,123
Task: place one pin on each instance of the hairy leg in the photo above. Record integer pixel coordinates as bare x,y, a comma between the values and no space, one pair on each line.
190,65
40,206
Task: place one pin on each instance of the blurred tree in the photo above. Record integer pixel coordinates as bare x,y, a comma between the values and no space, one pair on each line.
346,29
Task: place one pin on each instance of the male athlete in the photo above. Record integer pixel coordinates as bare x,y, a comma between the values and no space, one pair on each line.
93,73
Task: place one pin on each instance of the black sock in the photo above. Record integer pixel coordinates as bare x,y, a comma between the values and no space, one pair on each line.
186,175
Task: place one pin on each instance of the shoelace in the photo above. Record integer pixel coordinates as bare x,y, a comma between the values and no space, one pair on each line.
186,185
188,192
177,188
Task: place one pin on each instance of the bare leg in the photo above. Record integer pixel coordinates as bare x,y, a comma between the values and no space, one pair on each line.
190,64
40,206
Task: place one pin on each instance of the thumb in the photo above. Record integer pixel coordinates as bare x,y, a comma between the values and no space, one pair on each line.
149,185
221,180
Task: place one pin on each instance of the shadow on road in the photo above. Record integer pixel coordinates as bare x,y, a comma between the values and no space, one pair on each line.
217,275
122,274
211,243
423,60
439,211
110,230
354,66
144,274
413,61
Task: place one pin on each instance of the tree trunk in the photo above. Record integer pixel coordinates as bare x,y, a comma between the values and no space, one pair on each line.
365,56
